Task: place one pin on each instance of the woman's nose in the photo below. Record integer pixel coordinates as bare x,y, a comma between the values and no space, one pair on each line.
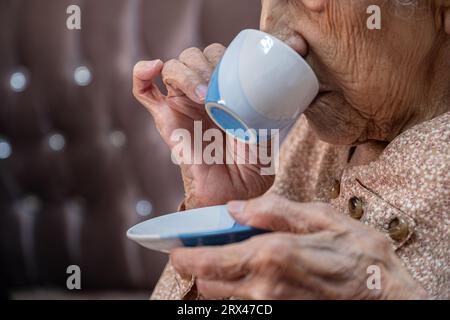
292,39
278,26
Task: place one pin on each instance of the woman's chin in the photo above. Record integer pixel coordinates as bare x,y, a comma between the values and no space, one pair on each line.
333,120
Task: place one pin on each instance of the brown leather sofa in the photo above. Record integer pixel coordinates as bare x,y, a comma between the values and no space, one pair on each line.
80,160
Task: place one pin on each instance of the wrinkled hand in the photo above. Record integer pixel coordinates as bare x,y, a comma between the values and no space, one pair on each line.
186,80
315,254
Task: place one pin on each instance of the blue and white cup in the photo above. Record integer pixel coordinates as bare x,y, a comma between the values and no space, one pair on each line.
260,85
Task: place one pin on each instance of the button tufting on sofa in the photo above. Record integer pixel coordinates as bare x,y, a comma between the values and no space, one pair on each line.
80,159
5,149
28,205
56,142
82,76
144,208
19,80
117,138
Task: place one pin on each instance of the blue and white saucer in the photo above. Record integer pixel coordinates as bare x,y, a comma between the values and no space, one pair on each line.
209,226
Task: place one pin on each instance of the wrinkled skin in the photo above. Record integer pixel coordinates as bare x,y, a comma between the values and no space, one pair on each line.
186,79
374,85
315,254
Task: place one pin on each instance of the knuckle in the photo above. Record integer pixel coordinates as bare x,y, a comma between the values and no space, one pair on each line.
215,47
177,75
189,53
189,83
254,212
204,268
169,66
277,252
381,243
259,221
214,53
255,206
170,72
263,212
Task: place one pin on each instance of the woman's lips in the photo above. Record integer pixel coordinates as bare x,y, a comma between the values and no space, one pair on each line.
324,88
321,95
298,43
295,41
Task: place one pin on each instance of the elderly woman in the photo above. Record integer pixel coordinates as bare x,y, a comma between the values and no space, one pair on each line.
360,206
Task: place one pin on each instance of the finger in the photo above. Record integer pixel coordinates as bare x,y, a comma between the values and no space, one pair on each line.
194,59
144,73
214,53
219,263
322,255
244,288
176,75
256,288
272,212
279,271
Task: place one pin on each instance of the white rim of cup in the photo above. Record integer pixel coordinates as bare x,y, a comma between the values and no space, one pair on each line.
253,137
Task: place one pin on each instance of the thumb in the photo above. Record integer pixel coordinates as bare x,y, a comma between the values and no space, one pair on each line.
144,73
272,212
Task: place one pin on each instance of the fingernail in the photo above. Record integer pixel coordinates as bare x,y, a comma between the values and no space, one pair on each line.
201,92
236,207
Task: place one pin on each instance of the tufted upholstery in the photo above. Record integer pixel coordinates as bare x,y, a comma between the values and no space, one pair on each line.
80,160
